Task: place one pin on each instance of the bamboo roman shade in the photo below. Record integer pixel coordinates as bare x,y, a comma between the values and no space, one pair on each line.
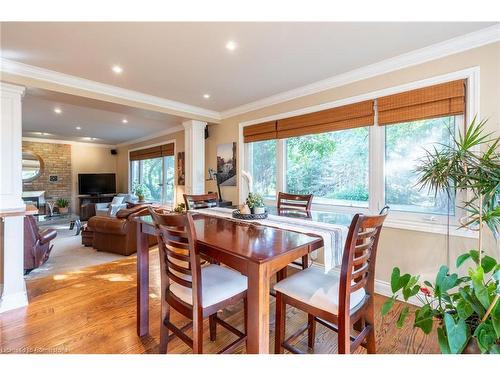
153,152
260,132
339,118
445,99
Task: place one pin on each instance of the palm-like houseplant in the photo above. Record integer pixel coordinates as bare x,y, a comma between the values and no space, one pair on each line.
466,308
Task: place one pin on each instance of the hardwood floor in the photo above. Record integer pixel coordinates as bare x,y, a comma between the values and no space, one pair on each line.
93,311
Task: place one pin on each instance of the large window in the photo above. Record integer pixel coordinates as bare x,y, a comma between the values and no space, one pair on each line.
405,145
157,175
262,167
333,166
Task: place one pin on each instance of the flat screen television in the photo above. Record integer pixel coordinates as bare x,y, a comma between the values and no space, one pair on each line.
96,183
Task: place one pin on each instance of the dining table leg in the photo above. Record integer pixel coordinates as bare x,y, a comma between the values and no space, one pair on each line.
142,282
258,308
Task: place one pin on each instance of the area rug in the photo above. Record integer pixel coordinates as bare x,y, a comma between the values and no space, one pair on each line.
68,254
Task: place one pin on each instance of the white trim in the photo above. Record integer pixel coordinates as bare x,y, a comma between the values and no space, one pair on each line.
13,301
65,142
12,89
175,129
436,51
30,71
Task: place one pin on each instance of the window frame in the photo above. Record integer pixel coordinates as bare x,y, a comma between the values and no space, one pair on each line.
376,153
172,203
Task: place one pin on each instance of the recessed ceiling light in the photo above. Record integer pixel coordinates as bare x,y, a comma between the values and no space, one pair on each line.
78,128
58,110
206,96
117,69
90,138
125,121
231,45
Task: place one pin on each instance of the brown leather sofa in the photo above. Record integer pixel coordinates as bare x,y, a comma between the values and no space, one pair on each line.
115,234
36,244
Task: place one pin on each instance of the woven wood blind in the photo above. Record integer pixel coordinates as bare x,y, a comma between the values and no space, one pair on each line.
260,132
340,118
153,152
445,99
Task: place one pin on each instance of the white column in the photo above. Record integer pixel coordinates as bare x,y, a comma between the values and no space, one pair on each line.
13,289
194,140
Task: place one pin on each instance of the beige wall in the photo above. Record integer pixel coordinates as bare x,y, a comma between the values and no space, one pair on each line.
413,251
90,159
123,162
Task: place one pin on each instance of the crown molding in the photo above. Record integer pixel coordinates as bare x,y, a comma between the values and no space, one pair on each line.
67,142
175,129
433,52
34,72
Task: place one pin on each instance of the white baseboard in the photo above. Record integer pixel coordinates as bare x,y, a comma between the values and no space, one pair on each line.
13,301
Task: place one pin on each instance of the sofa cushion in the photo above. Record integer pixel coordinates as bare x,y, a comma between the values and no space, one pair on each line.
105,224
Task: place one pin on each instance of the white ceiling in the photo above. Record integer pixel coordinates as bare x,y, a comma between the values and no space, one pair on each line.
97,119
183,61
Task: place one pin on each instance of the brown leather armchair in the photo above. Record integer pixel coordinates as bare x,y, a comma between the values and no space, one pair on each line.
36,244
115,234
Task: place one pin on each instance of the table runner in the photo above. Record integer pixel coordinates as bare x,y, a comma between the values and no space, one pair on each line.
333,235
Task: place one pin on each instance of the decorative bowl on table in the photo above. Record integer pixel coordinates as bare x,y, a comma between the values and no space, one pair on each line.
238,215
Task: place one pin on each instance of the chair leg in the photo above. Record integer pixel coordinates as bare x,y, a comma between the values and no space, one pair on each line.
370,338
245,319
197,332
279,335
213,327
311,331
344,337
165,317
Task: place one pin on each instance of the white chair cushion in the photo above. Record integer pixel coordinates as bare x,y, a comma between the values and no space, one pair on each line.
117,200
315,288
218,284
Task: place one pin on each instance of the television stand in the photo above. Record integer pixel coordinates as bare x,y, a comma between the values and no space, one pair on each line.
87,204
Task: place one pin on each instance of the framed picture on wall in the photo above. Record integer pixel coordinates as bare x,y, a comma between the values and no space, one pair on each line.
226,164
181,168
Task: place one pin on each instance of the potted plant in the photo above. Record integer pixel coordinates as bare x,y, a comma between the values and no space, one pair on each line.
140,190
255,202
63,205
180,209
465,310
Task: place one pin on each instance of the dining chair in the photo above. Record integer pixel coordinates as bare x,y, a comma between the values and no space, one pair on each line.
193,201
294,201
337,301
192,290
300,204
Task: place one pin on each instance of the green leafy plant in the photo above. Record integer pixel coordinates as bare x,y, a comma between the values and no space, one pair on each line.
466,309
62,203
140,190
180,209
255,200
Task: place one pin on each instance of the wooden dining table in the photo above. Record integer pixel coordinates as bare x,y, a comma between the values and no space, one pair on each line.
256,251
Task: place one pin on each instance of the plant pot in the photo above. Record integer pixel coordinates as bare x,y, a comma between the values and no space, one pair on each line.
472,347
258,210
141,198
63,210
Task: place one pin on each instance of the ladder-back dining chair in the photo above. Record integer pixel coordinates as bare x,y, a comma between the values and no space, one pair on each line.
193,201
300,204
193,290
338,302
